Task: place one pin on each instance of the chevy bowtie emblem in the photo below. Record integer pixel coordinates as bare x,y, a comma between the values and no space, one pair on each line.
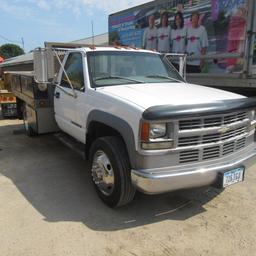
224,129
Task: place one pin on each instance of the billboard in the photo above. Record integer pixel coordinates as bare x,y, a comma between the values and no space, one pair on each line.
221,28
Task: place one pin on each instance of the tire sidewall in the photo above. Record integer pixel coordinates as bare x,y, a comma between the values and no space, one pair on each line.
28,129
25,119
101,144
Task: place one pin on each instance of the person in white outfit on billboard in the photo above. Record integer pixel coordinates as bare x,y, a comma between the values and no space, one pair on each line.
164,34
150,35
197,43
178,37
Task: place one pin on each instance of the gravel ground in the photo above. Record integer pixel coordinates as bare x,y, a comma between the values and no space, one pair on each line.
49,207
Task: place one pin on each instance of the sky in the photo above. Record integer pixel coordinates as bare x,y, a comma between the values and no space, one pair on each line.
37,21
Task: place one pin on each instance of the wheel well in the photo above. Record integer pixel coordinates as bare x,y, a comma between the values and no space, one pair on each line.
97,130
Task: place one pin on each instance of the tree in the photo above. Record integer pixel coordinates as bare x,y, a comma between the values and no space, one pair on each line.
10,50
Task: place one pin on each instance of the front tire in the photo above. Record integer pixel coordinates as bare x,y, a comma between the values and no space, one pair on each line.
110,170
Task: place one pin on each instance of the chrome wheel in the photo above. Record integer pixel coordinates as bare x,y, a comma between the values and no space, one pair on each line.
102,173
111,171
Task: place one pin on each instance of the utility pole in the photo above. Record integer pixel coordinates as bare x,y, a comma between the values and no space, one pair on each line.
22,41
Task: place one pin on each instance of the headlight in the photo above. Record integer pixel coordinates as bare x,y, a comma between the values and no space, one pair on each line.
157,131
156,135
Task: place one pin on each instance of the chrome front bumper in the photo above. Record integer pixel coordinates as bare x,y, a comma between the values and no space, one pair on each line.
160,180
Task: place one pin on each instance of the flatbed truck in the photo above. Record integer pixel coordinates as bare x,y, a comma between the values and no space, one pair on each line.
141,125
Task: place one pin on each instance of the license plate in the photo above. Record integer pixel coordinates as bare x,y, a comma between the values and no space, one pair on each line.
233,176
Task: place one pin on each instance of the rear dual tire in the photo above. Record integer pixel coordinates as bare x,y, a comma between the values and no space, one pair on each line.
28,129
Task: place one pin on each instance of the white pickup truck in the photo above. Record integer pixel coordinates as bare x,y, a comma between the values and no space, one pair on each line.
143,126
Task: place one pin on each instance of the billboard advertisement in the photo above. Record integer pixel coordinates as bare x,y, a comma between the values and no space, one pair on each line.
194,27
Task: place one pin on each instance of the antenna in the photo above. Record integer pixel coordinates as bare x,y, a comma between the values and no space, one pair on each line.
92,34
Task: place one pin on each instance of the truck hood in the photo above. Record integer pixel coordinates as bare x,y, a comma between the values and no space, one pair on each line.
155,94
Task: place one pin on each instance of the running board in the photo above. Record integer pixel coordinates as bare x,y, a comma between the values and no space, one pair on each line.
72,143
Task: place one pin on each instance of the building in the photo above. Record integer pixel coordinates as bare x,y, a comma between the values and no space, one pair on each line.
100,40
27,59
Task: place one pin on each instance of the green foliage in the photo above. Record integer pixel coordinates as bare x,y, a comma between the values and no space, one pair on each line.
10,50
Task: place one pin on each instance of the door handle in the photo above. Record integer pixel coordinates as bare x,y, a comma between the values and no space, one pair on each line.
57,95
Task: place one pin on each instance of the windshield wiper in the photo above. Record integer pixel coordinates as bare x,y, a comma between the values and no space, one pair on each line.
118,77
166,77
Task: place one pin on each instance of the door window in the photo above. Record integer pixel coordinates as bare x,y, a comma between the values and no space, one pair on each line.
74,70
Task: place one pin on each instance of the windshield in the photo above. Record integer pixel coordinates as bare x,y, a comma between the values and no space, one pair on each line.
108,68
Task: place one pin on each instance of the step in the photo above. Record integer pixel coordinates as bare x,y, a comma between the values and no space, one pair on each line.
72,143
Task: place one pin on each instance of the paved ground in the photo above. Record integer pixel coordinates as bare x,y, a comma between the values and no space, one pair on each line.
49,207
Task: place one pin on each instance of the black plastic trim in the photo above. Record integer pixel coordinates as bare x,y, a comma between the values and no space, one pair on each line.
118,124
194,110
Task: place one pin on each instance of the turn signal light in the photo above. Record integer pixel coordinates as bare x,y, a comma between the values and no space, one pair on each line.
144,135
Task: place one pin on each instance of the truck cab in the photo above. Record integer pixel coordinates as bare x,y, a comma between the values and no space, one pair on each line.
174,134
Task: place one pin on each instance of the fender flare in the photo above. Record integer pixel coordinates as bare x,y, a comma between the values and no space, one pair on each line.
119,125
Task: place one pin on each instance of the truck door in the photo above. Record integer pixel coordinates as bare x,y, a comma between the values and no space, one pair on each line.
66,98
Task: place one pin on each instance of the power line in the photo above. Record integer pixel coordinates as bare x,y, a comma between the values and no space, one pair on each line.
11,41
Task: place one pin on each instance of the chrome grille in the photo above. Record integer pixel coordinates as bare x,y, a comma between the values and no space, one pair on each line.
228,148
208,153
224,136
212,137
189,156
240,143
189,141
190,124
211,121
235,118
211,152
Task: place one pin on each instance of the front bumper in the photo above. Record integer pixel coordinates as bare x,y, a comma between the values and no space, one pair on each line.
160,180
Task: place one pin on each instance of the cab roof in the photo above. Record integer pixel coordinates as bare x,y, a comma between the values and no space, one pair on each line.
110,48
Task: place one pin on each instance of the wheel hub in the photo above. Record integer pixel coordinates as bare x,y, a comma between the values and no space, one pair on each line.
102,173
